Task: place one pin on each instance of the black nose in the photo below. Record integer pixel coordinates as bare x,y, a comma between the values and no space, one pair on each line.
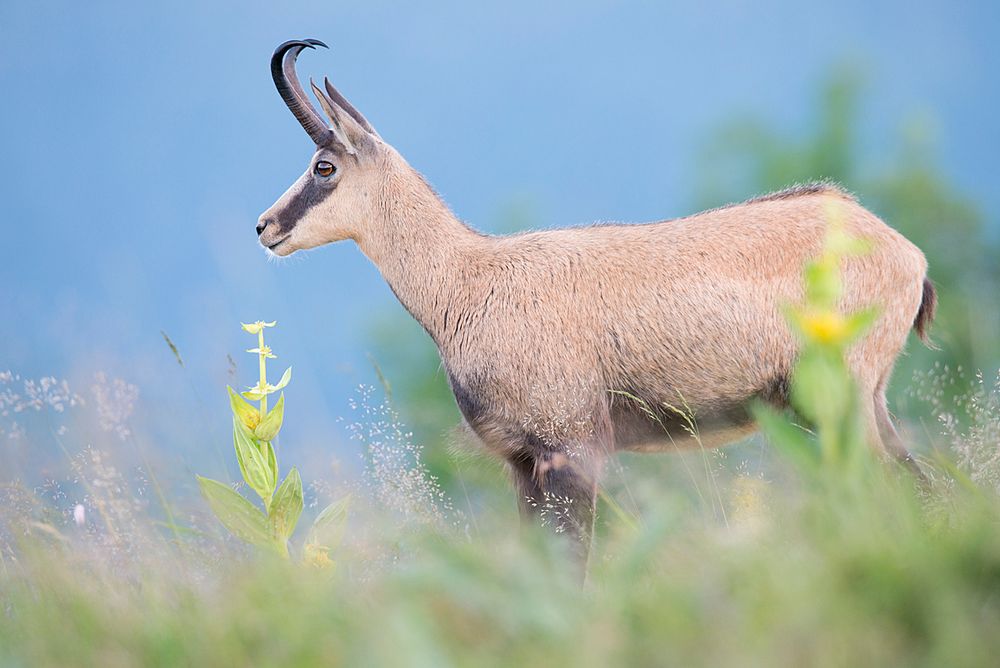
261,224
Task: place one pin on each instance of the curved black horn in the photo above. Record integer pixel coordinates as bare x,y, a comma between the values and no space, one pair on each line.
287,83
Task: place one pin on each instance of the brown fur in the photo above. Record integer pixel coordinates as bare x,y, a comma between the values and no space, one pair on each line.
554,341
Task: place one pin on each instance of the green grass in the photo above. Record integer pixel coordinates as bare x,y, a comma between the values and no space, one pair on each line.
815,571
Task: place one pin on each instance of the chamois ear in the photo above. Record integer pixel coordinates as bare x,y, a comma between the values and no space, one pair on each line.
342,102
346,130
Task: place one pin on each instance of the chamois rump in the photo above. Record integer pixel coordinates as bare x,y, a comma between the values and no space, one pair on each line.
540,331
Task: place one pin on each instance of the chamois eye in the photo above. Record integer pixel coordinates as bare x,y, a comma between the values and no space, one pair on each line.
324,168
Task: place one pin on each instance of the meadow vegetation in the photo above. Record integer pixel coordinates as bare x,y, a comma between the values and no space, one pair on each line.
844,563
796,548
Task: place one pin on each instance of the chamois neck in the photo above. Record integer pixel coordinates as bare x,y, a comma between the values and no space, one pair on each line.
421,249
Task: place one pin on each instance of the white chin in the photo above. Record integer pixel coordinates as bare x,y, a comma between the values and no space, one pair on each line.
281,249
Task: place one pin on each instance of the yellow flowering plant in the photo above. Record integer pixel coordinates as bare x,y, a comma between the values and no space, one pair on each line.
823,391
254,430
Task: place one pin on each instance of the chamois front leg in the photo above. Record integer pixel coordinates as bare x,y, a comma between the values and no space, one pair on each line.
560,491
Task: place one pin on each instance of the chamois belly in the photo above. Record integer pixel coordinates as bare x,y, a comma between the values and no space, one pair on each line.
677,428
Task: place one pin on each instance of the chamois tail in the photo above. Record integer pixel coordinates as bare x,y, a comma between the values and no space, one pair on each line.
925,314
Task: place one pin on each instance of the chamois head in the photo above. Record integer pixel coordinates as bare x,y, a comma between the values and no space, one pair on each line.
335,197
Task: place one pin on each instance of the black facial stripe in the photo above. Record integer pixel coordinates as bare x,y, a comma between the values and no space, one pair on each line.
311,195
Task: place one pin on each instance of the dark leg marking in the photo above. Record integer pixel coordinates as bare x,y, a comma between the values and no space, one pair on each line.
560,492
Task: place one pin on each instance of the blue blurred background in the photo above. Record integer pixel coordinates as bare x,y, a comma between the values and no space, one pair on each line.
140,141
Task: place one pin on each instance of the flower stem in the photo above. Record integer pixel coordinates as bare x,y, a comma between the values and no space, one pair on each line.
263,373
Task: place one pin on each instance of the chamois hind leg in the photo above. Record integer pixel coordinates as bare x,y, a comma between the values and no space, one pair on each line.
872,362
890,439
880,431
561,492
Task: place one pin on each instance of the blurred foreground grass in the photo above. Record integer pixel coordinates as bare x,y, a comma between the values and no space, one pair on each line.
828,573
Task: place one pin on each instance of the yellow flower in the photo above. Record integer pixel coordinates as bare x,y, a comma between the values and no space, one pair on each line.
251,420
825,326
317,556
265,351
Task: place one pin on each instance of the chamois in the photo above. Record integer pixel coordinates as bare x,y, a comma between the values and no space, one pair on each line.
541,332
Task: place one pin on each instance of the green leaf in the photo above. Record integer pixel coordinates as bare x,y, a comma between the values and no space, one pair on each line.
241,456
285,378
248,415
271,457
787,437
242,518
328,527
858,323
843,244
821,386
253,463
269,426
823,285
287,505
